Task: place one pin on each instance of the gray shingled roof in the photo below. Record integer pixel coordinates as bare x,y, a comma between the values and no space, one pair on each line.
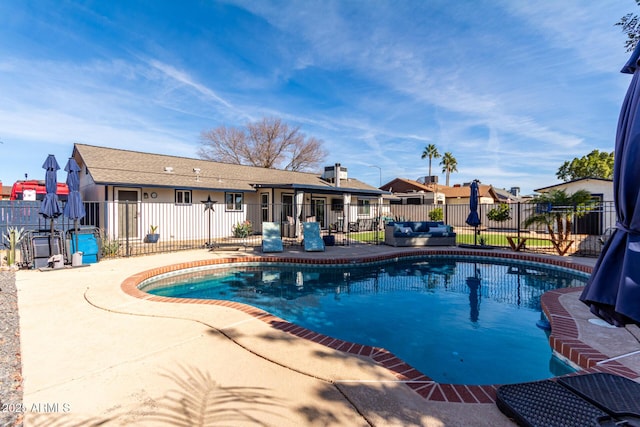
110,166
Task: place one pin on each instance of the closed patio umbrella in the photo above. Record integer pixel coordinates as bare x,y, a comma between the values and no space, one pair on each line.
613,290
74,209
473,219
50,207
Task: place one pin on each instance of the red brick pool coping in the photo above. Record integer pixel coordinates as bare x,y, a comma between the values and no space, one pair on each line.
563,339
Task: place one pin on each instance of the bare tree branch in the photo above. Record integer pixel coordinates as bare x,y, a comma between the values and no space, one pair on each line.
268,143
306,154
223,144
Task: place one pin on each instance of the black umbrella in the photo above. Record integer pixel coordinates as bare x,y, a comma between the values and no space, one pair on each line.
74,209
613,290
50,207
473,219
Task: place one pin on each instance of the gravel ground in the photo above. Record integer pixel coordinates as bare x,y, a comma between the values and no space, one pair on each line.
10,365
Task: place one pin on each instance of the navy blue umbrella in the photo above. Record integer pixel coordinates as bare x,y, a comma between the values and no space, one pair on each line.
74,209
613,290
50,206
473,219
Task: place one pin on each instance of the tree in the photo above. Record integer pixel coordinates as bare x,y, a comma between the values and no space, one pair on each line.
268,143
431,152
630,24
500,213
593,165
449,164
557,208
436,215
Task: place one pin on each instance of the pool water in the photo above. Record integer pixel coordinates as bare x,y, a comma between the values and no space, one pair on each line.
457,320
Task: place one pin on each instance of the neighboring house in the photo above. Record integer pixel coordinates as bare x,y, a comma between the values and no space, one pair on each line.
460,194
601,189
509,196
170,190
409,192
600,219
5,192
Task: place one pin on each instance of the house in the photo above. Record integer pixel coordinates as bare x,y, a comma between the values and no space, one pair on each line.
601,189
460,194
598,220
409,192
145,189
5,192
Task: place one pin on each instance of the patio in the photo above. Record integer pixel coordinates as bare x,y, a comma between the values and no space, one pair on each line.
92,353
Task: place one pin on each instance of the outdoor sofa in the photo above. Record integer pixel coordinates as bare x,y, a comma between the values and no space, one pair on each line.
419,233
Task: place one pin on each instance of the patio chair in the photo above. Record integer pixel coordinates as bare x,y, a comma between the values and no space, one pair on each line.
312,240
271,240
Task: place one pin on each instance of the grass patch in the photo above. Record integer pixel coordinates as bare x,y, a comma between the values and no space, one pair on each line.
367,236
499,240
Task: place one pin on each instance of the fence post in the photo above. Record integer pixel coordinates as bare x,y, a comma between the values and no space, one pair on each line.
518,221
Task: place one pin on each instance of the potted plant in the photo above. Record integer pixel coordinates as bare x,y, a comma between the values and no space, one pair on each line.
330,239
152,237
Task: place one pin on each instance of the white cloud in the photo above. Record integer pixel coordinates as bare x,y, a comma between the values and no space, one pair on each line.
185,79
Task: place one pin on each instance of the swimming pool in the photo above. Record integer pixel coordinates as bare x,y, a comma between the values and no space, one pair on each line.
458,320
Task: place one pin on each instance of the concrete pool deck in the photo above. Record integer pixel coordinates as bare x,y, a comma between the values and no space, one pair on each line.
92,353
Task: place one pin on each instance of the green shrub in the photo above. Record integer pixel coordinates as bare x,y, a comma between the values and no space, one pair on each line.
436,215
500,213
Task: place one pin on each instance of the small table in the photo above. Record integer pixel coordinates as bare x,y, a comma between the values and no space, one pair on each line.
518,242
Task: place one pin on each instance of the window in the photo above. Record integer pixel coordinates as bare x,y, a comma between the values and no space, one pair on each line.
183,197
233,201
364,207
337,205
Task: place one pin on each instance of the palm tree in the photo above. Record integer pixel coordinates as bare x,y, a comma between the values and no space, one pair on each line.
449,164
558,208
431,152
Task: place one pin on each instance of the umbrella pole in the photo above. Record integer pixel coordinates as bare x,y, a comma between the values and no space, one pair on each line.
75,226
475,235
51,240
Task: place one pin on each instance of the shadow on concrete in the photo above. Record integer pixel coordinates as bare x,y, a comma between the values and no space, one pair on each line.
195,400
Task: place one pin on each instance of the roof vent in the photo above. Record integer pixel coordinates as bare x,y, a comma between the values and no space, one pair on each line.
168,169
197,172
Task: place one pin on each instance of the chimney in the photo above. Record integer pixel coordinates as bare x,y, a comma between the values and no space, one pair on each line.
334,174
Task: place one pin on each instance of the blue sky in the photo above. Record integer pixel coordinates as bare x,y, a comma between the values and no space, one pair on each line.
511,88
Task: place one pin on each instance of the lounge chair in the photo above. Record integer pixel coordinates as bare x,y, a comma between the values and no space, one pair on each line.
312,240
271,240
